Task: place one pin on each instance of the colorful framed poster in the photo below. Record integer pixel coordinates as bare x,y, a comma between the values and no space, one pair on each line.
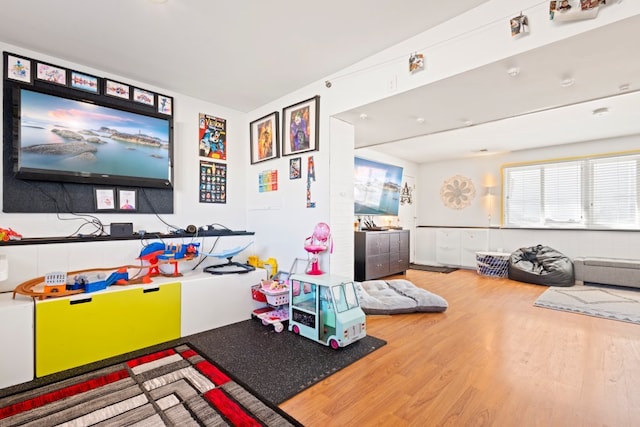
300,127
165,105
213,137
18,68
294,168
51,74
213,182
264,138
268,181
127,200
144,97
84,82
105,199
119,90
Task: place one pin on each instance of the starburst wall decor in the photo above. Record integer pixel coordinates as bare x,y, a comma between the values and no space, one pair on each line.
457,192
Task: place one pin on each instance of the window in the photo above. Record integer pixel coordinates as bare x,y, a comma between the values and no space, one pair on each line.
596,192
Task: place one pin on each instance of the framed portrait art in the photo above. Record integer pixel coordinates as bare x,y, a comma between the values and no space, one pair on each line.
300,127
105,199
265,140
127,200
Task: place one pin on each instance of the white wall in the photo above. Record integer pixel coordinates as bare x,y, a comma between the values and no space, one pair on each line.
570,242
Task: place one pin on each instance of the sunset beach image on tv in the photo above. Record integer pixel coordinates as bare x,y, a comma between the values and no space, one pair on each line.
68,137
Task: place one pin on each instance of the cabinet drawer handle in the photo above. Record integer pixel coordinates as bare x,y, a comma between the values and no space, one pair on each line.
144,291
79,301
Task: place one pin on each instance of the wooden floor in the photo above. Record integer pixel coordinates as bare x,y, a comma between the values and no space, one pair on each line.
492,359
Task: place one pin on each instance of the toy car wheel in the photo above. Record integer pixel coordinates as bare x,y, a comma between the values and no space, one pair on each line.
334,344
296,330
278,327
264,322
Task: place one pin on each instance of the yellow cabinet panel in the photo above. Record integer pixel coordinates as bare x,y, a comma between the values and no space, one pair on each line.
75,331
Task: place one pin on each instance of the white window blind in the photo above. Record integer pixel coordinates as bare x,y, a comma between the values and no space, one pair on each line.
590,193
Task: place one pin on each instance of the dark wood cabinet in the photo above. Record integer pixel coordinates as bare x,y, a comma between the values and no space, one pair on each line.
380,253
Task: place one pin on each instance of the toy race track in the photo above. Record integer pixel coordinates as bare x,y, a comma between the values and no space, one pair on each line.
155,254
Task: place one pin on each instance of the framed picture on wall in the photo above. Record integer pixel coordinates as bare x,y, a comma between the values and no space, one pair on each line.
51,74
264,138
84,82
300,127
119,90
165,104
105,199
143,96
295,166
127,200
18,68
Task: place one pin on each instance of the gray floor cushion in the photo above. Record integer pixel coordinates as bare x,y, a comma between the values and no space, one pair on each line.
397,296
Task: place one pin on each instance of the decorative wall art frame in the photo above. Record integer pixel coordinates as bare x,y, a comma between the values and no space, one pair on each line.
519,25
300,127
105,199
127,200
213,182
119,90
416,62
51,74
457,192
165,105
84,82
144,97
18,68
265,138
295,168
212,135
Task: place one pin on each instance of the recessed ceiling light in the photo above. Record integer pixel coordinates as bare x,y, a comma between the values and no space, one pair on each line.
599,112
624,87
513,71
158,1
467,122
420,120
567,82
363,116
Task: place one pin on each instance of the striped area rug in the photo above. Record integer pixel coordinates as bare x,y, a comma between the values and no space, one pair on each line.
173,387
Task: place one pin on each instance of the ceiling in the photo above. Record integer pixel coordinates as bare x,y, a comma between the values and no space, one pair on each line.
241,54
472,113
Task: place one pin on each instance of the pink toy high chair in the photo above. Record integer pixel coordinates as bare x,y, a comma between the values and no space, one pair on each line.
318,242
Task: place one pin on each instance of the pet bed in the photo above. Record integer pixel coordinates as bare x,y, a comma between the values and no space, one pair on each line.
397,296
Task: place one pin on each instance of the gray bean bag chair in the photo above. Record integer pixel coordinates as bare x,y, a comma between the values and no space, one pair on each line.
541,265
397,296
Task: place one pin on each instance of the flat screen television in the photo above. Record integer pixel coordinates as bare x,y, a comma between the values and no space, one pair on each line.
376,188
71,139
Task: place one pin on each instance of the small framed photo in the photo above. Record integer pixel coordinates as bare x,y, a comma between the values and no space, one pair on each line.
127,200
84,82
143,97
51,74
105,199
119,90
295,168
300,127
165,105
264,138
18,68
